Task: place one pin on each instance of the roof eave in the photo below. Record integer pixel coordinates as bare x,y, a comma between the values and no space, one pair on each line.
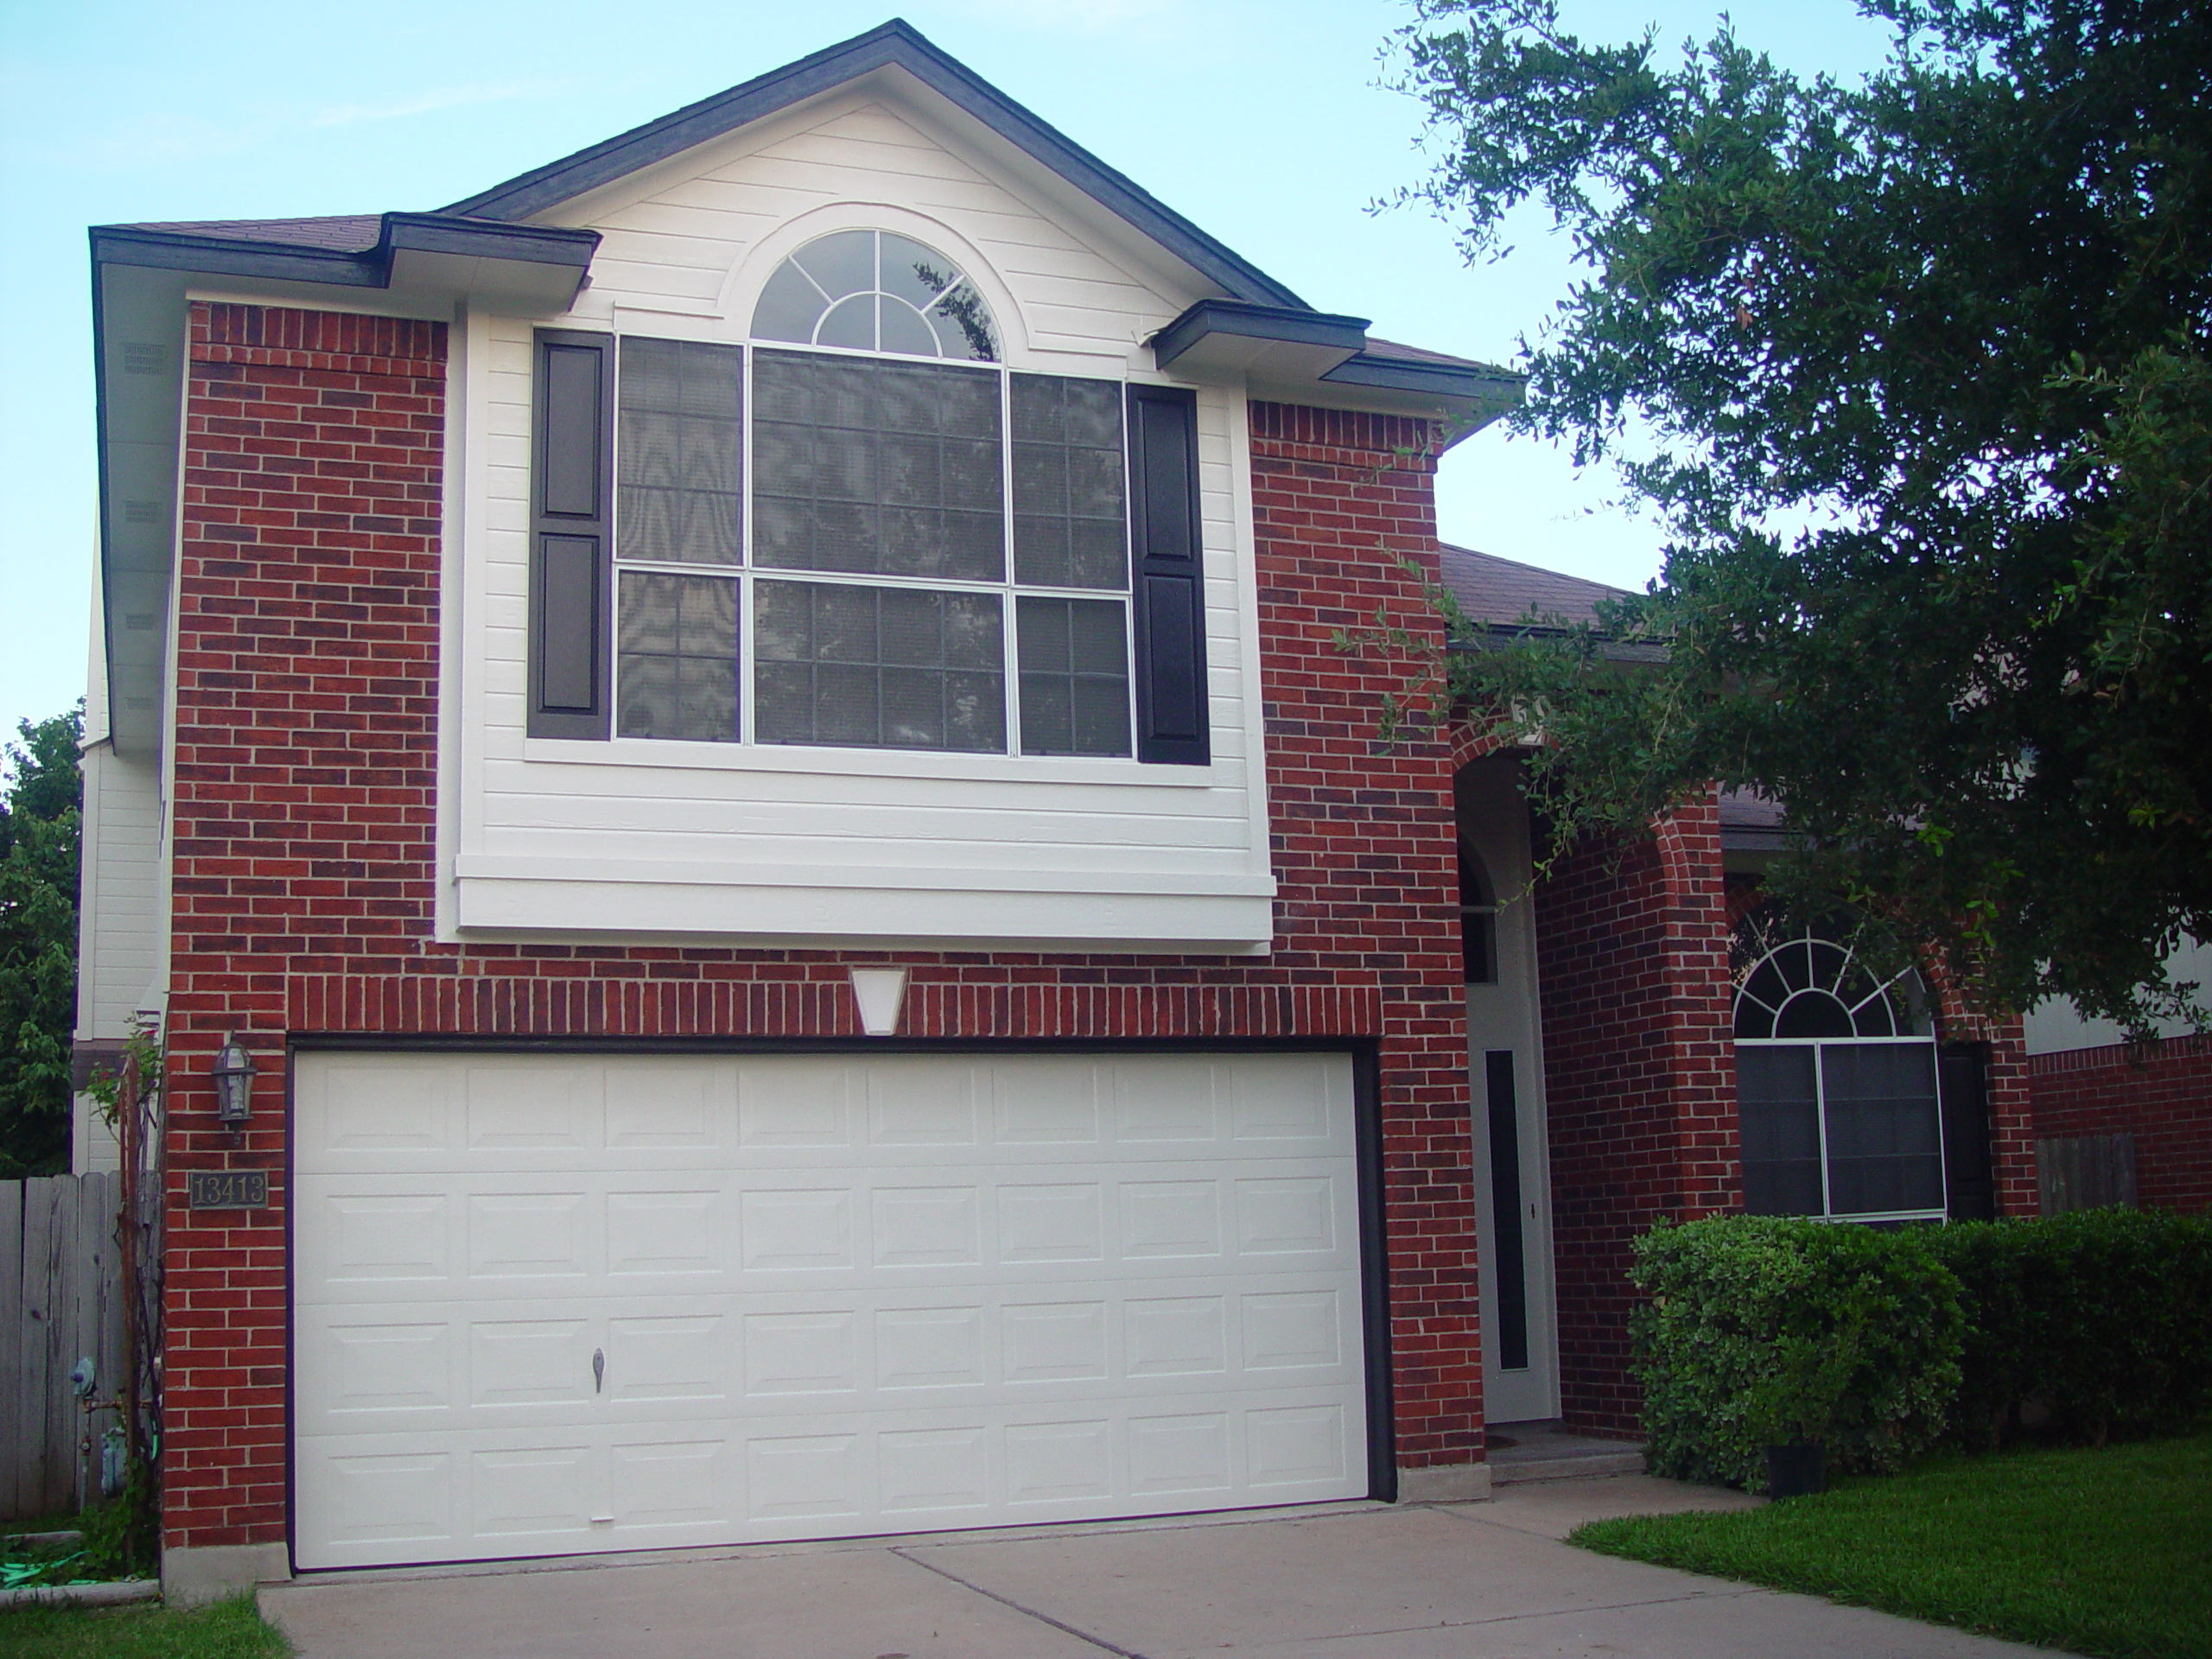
141,279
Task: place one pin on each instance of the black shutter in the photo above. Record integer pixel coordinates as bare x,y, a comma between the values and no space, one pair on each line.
571,554
1169,592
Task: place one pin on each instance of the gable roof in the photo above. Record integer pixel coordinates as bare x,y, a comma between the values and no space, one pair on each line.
896,44
495,248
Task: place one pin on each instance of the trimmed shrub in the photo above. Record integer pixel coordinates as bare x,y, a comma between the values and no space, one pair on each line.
1761,1330
2104,1316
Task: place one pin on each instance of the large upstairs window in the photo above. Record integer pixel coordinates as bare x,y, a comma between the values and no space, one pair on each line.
861,529
1836,1080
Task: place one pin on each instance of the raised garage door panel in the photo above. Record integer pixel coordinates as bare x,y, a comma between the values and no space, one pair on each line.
828,1296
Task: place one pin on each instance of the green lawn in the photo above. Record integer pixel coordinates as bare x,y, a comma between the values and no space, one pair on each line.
2105,1551
229,1629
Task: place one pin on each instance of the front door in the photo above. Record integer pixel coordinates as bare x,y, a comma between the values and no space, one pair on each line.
1505,1062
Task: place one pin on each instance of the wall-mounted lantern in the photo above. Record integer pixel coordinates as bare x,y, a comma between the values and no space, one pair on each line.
233,1074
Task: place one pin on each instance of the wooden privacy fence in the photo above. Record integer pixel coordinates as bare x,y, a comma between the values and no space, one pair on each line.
61,1301
2086,1172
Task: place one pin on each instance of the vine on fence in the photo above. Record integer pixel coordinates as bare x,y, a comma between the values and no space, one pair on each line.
131,1101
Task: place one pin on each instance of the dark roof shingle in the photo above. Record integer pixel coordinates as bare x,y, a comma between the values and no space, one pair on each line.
1400,352
1499,591
337,233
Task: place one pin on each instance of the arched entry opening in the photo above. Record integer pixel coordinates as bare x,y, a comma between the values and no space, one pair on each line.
1505,1062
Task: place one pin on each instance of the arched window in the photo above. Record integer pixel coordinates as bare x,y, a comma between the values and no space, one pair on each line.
1809,986
860,528
876,292
1478,917
1836,1072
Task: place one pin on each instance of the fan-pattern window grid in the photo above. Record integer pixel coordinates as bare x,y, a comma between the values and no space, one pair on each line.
962,531
1835,1070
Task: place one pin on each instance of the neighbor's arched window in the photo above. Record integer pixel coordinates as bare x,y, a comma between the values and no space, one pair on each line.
876,292
1836,1072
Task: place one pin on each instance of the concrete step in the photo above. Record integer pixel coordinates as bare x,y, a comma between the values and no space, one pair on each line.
1587,1467
1546,1450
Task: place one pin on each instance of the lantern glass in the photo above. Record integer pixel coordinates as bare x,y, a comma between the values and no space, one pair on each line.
233,1074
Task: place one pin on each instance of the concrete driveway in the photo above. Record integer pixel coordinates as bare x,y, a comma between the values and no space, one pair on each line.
1449,1581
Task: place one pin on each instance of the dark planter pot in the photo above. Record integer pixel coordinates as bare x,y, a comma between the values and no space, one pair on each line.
1796,1470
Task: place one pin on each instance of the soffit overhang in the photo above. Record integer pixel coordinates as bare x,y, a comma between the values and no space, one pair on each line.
418,264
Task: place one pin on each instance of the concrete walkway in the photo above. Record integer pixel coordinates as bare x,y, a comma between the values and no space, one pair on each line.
1353,1581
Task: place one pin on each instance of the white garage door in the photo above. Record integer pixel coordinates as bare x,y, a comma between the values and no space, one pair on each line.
557,1304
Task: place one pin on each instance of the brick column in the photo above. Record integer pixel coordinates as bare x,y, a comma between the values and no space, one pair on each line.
1365,845
1639,1079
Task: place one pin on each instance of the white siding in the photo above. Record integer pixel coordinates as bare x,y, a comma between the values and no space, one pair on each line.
2055,1027
661,838
120,920
119,916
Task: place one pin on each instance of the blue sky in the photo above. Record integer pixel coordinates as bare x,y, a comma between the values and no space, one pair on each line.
1261,119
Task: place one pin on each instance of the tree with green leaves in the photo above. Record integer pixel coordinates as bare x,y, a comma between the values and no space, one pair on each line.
42,798
1914,371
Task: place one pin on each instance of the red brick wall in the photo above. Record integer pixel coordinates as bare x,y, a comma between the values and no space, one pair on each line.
2162,1094
1370,831
304,751
1639,1080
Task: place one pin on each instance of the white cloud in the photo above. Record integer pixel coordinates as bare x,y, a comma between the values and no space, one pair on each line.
160,138
441,98
1079,16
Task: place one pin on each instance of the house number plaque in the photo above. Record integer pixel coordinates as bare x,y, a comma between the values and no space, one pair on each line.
228,1189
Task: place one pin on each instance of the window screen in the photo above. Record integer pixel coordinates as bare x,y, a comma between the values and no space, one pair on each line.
680,458
1075,676
1780,1115
1884,1133
885,468
879,667
676,656
1071,521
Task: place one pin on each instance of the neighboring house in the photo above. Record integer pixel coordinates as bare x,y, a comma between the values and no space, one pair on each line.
748,730
2133,1123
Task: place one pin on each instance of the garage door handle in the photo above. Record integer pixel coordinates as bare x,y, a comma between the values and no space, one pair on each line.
598,1367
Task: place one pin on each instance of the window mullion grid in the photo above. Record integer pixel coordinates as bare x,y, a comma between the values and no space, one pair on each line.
748,573
1009,609
613,621
747,668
